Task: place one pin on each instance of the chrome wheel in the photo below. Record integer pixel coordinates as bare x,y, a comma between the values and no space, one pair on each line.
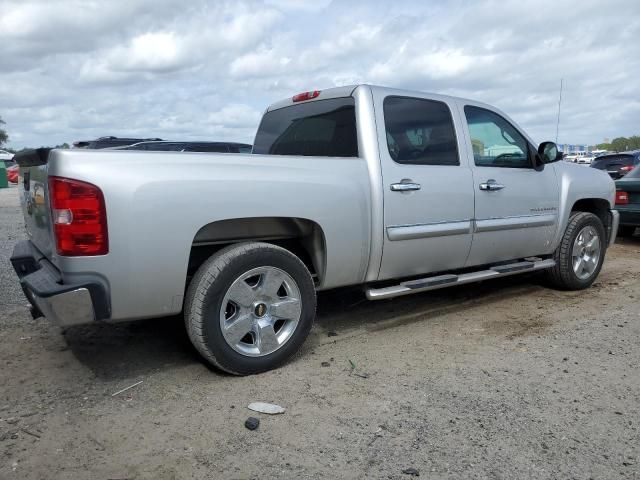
260,311
586,252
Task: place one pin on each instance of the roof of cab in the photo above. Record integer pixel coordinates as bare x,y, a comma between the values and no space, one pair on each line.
347,90
335,92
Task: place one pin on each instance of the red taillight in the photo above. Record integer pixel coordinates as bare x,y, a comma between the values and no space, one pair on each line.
622,198
79,217
301,97
626,168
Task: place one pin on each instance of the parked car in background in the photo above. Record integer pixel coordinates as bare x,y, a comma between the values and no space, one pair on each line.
628,202
12,173
109,142
167,146
617,165
585,159
573,157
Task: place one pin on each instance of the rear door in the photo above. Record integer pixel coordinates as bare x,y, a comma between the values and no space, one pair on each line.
427,184
516,206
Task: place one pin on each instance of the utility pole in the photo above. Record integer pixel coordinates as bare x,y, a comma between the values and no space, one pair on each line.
559,104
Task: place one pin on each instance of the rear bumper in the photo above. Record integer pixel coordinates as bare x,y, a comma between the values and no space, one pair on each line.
629,215
64,303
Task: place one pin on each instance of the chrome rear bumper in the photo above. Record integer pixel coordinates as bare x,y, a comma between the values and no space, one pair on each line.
66,309
64,303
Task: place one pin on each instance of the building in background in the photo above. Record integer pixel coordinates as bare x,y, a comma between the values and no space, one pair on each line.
570,149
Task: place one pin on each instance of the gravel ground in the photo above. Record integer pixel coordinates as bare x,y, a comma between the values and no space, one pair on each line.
502,380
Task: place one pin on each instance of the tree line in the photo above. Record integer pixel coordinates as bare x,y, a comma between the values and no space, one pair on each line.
4,136
621,144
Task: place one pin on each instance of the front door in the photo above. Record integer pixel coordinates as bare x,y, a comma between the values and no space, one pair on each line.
427,182
516,206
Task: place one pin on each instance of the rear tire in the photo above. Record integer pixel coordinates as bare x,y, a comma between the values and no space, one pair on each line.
250,307
580,255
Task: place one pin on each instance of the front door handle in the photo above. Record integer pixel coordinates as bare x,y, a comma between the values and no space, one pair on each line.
491,186
405,187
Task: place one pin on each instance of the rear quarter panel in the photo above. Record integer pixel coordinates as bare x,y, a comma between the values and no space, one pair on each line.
157,201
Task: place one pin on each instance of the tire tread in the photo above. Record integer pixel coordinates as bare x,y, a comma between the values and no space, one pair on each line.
561,276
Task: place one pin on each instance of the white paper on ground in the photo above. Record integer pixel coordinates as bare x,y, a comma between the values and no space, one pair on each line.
268,408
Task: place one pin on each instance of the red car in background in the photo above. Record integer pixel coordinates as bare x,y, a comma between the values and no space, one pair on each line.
12,173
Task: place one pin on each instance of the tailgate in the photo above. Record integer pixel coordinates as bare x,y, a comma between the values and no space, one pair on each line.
34,197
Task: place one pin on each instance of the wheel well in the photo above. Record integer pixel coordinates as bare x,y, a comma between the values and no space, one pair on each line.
597,206
302,237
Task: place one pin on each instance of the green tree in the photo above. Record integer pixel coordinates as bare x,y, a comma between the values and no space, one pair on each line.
4,137
620,144
634,142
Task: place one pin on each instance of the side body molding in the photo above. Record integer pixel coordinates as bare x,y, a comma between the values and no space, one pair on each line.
442,229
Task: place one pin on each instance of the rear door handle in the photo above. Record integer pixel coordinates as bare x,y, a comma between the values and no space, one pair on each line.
405,187
491,186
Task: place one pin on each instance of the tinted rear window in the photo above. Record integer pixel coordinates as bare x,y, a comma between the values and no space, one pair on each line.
324,128
609,160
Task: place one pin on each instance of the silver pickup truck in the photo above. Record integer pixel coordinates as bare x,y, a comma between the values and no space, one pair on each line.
398,191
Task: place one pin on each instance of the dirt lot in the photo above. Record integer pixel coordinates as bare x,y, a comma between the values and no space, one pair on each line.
501,380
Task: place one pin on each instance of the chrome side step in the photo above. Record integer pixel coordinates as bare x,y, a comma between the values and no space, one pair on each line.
442,281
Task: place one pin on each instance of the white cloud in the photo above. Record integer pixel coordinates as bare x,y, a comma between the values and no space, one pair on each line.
262,63
305,5
235,115
73,69
159,51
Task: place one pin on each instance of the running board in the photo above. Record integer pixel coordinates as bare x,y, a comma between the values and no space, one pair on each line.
442,281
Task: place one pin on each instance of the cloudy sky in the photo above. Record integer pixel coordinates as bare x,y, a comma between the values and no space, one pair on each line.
197,69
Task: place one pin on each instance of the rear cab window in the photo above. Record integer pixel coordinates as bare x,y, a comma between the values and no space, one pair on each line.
321,128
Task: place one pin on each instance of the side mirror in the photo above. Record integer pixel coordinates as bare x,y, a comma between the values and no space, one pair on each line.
549,152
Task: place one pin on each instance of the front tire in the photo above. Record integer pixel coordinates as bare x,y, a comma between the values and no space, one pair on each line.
581,253
250,307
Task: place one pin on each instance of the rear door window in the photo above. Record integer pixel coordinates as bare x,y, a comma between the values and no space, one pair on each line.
420,131
322,128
